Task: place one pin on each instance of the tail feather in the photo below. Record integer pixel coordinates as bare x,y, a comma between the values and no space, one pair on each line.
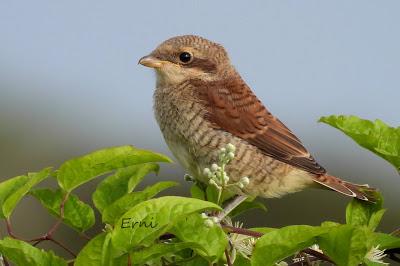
362,192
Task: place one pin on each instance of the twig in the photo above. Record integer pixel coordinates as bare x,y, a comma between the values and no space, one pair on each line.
129,260
63,246
396,232
9,229
242,231
228,259
57,224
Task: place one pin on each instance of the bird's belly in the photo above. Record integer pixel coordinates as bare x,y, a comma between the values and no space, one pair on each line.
195,144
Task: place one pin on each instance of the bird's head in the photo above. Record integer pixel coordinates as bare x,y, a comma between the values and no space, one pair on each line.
188,57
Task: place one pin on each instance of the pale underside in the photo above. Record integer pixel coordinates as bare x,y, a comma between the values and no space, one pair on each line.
195,144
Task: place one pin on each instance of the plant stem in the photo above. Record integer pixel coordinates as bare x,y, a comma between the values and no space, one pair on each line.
228,259
9,229
62,246
57,224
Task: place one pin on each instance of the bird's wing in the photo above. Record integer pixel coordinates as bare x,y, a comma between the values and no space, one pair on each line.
232,106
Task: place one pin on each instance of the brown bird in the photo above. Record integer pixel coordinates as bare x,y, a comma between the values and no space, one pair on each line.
201,104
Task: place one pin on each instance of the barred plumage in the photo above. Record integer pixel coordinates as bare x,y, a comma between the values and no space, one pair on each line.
203,104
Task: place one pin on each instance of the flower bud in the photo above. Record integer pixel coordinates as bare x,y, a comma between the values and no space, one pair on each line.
245,181
214,167
230,147
240,185
226,178
231,155
208,223
215,220
223,150
212,182
206,171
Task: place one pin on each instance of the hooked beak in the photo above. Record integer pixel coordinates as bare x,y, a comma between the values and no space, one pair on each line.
151,61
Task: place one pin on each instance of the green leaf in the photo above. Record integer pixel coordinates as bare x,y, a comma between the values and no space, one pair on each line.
113,212
346,244
197,192
263,230
196,261
361,213
246,206
121,183
78,171
241,261
375,219
77,214
22,253
212,240
92,252
386,241
212,194
8,188
279,244
34,178
376,136
148,220
156,251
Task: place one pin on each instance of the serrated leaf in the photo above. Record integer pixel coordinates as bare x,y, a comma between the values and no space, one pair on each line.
148,220
77,214
246,206
78,171
21,253
113,212
212,240
376,136
346,244
8,187
34,178
279,244
121,183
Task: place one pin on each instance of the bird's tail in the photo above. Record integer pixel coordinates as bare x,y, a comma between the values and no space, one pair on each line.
362,192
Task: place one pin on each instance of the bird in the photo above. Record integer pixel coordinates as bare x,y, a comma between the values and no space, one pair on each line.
201,104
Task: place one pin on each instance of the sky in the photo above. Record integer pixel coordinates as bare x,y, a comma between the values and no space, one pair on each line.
70,83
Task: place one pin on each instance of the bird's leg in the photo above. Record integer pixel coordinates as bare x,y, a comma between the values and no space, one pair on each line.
230,206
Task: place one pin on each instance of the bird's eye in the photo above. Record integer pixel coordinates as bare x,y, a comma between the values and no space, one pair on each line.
185,57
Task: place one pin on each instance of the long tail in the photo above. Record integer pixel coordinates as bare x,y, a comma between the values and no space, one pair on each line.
362,192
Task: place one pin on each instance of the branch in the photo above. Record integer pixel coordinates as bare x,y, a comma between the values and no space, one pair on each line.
228,259
57,224
62,246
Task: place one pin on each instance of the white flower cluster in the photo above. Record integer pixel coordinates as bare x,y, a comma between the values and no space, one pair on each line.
375,255
216,173
209,221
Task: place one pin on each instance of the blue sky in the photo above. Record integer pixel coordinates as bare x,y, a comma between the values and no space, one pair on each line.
70,83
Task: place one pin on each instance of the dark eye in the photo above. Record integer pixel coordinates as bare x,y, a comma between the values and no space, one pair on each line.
185,57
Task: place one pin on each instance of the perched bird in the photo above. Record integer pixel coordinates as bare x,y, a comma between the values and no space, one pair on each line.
201,104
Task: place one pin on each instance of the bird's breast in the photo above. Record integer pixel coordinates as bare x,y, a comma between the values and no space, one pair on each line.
195,143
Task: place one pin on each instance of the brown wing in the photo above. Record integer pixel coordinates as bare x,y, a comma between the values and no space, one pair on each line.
232,106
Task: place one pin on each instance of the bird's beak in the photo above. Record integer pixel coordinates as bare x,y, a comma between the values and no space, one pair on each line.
151,61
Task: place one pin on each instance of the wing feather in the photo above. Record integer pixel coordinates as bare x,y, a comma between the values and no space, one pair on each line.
232,106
